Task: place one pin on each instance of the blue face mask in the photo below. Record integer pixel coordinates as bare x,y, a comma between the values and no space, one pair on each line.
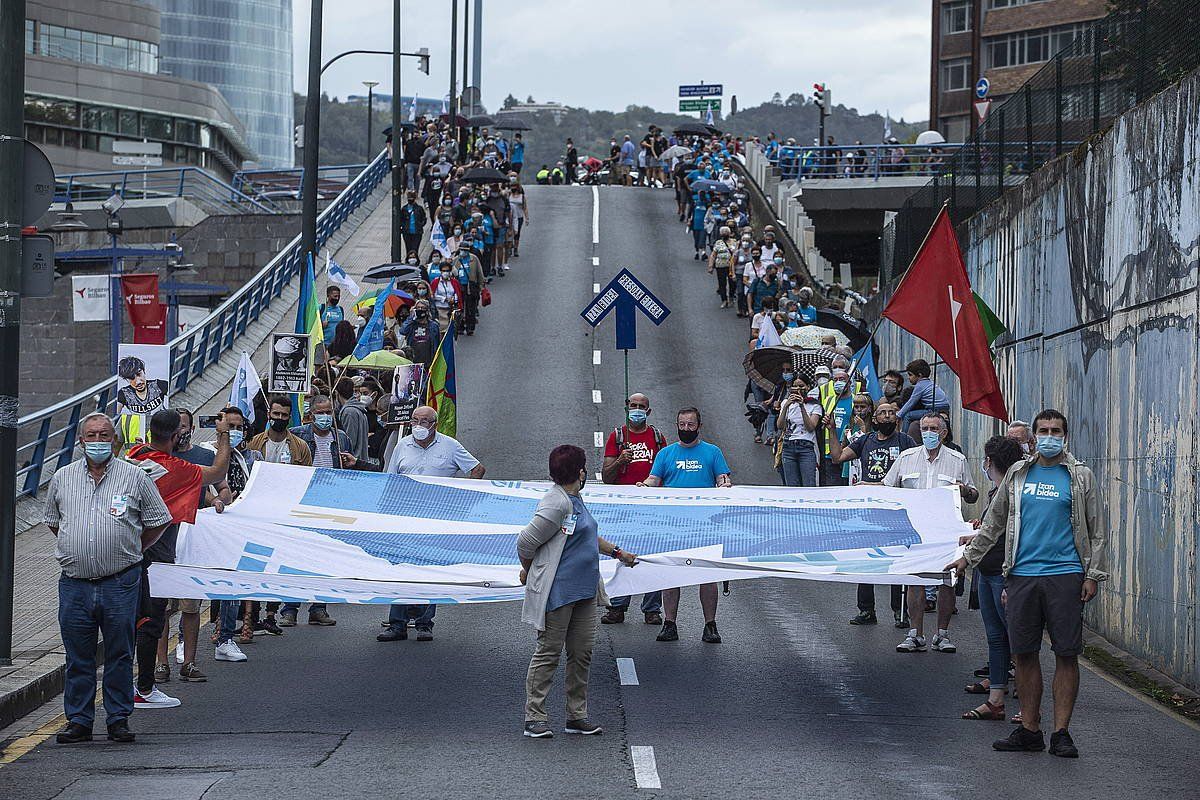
788,377
323,421
931,439
236,437
637,416
98,452
1049,446
838,386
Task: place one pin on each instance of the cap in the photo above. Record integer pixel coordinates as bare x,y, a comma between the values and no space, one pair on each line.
821,370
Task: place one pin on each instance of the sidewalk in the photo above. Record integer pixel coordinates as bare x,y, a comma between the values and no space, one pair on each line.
36,674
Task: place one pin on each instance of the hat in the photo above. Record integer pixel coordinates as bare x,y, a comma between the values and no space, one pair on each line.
821,370
288,345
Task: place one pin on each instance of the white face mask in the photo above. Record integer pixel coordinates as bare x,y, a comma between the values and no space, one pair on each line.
421,433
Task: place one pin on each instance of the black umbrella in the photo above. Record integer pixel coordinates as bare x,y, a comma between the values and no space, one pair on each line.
693,129
459,120
766,365
481,121
855,329
484,175
383,273
712,130
404,126
513,124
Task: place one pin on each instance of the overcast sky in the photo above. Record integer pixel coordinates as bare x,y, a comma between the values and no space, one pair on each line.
874,54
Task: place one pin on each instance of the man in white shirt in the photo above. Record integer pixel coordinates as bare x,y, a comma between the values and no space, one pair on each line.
425,452
927,466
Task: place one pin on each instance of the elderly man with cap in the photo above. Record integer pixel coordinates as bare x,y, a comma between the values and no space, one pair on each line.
425,452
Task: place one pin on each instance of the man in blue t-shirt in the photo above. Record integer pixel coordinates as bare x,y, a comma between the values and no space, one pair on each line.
689,464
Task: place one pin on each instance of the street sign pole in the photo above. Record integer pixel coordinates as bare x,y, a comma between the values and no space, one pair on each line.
625,295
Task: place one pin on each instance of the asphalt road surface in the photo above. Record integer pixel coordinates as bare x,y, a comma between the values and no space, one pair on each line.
794,703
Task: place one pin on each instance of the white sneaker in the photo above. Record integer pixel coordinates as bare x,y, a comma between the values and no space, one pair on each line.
229,651
157,698
179,653
912,643
943,644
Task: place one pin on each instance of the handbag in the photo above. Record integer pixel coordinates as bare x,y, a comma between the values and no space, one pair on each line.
485,296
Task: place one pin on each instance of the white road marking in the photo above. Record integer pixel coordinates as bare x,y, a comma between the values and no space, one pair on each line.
599,476
595,215
596,396
595,288
627,671
596,357
645,770
595,261
598,438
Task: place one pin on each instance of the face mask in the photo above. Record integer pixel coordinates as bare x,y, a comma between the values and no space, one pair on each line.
323,421
885,429
745,245
367,398
778,260
446,202
279,425
687,437
305,407
458,231
637,416
422,291
788,377
420,432
838,386
822,380
183,442
931,439
98,452
1049,446
236,437
890,390
792,315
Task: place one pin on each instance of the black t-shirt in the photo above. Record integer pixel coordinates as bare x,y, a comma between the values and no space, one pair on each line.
992,562
876,457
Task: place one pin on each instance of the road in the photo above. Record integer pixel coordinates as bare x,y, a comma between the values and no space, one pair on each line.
795,702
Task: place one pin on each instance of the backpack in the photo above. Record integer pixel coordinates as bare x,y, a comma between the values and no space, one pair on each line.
659,440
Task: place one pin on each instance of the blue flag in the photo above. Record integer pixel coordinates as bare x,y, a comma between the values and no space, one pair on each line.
371,338
864,362
246,384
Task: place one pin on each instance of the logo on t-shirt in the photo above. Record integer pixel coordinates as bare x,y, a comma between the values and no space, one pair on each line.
1036,489
689,465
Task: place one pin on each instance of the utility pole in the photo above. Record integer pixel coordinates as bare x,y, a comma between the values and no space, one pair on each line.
12,168
312,137
370,116
477,54
397,136
466,81
453,107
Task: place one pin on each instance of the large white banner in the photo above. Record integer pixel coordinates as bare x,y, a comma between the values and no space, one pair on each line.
338,536
90,298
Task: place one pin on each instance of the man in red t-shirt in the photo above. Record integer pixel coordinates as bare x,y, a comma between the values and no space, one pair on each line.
180,485
628,456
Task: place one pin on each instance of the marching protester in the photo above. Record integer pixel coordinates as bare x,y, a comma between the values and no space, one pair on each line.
104,512
561,573
799,420
1049,511
331,312
629,453
277,444
425,452
690,463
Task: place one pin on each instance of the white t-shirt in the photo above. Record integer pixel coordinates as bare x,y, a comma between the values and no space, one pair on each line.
751,272
796,429
444,297
760,319
277,452
768,252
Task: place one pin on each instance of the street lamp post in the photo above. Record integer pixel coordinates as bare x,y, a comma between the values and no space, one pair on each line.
370,113
312,138
397,135
453,76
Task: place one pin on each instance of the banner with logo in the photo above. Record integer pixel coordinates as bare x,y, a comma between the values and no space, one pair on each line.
140,291
341,536
90,298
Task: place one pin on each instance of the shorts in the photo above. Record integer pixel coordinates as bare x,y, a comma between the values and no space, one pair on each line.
186,606
1049,603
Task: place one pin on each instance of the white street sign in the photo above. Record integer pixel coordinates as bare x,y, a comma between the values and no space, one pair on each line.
137,161
137,148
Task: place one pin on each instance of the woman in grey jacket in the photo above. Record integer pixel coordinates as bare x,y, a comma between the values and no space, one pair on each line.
561,573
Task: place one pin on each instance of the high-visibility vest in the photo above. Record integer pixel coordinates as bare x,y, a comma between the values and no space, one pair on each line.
841,412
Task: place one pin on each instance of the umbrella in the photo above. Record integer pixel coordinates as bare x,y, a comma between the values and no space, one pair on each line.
383,273
591,162
484,175
404,126
513,124
703,185
365,306
481,121
677,151
765,366
809,336
379,360
714,131
693,129
459,120
854,328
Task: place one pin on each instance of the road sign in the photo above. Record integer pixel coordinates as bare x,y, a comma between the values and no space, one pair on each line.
700,105
128,148
38,190
701,90
626,294
981,88
981,109
137,161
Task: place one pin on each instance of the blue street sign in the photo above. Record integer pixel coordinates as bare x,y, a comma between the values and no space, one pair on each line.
982,87
701,90
625,294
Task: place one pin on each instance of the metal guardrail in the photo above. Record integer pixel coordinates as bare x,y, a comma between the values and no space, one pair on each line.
862,161
49,435
207,191
285,184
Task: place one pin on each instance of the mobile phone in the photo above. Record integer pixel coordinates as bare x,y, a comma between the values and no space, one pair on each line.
208,420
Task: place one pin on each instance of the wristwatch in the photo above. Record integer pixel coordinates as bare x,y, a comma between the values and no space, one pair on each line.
617,552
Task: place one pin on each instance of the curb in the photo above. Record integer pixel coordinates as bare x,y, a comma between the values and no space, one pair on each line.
30,686
1139,676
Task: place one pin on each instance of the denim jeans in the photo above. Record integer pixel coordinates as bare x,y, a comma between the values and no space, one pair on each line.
229,620
699,238
651,603
999,655
799,463
411,176
422,616
108,607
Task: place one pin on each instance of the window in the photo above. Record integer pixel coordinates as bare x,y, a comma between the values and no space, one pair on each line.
88,47
30,38
955,75
1030,47
955,129
956,17
1010,3
157,127
128,123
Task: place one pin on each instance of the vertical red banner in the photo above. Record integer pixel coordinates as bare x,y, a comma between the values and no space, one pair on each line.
148,315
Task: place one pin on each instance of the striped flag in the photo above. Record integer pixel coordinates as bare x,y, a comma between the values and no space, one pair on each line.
441,391
412,109
246,384
337,275
308,321
437,238
371,338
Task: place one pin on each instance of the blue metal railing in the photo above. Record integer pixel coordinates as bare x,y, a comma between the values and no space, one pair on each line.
285,184
885,160
49,435
207,191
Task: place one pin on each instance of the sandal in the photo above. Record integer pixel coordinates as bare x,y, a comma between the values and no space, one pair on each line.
976,688
1015,719
994,713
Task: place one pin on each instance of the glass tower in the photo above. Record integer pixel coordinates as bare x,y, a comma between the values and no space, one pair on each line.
244,48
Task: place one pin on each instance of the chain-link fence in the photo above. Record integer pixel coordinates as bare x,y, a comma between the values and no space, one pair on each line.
1142,47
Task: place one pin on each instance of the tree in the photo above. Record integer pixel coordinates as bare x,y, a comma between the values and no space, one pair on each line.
510,101
776,99
529,99
794,99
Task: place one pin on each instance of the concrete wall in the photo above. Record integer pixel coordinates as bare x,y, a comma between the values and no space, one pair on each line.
1093,265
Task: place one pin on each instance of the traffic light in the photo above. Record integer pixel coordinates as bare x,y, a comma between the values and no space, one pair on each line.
423,60
821,97
298,137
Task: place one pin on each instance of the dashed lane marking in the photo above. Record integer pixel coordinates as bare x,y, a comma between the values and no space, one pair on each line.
596,358
627,672
645,769
598,438
596,396
595,261
595,288
595,215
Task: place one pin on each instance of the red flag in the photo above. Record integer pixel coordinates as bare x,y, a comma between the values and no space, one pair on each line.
934,302
140,291
154,332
